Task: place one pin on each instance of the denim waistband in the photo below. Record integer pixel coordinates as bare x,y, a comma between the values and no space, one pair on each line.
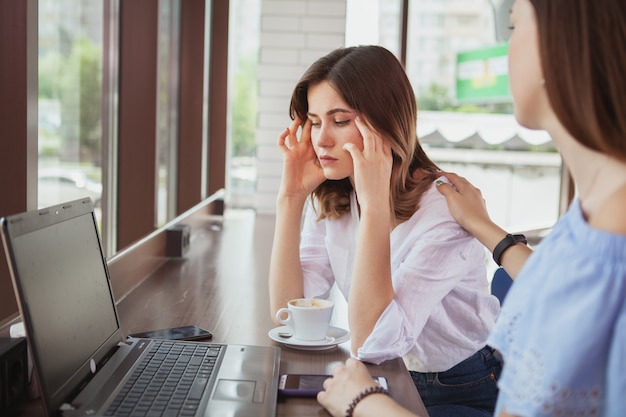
485,354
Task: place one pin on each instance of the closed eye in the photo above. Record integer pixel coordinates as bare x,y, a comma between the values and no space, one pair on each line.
342,122
315,122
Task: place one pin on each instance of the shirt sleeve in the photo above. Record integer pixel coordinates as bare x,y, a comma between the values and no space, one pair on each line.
436,276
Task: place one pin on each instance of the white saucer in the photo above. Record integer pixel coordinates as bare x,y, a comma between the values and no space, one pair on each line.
334,337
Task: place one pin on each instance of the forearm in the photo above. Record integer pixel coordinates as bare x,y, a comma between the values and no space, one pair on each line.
513,258
285,275
467,206
380,405
371,289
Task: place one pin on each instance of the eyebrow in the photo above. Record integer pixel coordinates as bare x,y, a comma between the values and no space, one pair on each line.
330,112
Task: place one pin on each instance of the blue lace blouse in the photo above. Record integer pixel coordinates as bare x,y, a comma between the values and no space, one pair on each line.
562,328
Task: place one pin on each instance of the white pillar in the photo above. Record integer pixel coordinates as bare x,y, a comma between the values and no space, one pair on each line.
294,33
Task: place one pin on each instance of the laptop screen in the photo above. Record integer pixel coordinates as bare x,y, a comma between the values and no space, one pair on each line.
65,291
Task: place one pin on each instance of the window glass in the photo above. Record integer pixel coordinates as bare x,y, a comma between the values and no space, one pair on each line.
459,71
242,70
167,111
70,101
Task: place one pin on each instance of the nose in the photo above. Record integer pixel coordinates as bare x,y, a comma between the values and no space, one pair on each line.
324,139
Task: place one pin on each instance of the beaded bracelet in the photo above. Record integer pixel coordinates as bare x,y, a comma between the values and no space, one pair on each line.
371,390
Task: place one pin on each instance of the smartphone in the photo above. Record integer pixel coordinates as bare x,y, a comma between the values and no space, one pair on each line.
308,385
176,333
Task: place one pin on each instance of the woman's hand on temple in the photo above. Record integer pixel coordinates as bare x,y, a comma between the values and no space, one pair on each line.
301,170
372,166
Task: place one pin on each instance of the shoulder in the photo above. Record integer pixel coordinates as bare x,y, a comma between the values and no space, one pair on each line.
433,218
434,205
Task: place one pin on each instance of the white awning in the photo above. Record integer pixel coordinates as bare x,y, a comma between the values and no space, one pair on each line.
478,131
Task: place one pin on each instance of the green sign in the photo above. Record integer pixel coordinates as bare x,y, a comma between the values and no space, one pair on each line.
482,75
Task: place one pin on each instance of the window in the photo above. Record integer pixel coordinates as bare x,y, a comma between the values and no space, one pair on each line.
244,51
460,75
167,110
70,101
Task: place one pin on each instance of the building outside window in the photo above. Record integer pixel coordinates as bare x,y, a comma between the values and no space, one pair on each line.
452,46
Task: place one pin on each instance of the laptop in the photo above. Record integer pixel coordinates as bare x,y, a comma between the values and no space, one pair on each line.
85,364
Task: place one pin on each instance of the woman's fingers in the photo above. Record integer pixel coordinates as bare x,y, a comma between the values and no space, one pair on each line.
454,183
288,139
292,137
352,150
369,138
363,129
444,188
305,136
282,138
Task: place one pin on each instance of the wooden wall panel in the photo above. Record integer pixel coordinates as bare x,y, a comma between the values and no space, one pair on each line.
137,120
190,115
18,123
218,96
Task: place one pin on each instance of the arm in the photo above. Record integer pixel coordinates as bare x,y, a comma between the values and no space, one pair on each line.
437,256
347,382
468,208
371,288
301,175
286,280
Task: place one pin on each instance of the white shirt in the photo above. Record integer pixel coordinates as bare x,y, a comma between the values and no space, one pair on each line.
442,311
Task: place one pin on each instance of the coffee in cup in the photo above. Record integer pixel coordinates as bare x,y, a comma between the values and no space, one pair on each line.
308,318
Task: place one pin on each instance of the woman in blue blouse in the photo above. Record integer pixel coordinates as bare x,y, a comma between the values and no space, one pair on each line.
562,328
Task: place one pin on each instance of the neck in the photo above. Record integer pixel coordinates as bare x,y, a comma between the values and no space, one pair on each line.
597,177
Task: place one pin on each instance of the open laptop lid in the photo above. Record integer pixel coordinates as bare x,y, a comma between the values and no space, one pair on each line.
69,314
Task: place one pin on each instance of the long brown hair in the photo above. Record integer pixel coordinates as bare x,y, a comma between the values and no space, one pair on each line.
371,80
581,45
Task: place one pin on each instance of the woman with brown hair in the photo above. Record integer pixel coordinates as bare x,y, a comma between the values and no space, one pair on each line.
562,328
375,225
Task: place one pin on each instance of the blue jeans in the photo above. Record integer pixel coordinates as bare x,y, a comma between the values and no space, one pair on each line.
468,389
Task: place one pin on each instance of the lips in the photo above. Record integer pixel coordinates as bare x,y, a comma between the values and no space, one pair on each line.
326,160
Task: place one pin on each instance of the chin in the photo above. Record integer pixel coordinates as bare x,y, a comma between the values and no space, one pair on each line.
332,174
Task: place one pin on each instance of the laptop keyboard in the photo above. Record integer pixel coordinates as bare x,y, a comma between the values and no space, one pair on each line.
168,382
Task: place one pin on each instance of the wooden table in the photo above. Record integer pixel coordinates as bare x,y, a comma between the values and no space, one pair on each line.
222,285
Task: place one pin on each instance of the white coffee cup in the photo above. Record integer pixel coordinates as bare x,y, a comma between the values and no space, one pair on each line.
308,318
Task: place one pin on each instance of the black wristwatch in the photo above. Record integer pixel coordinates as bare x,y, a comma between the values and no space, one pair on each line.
508,241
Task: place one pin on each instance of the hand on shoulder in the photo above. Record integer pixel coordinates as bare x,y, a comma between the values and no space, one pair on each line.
465,201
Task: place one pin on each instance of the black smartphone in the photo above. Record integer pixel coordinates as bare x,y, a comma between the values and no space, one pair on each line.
176,333
308,385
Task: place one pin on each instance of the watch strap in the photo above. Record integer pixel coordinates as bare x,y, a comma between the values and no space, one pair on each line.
508,241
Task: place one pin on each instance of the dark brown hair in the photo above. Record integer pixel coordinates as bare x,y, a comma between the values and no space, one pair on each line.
581,45
371,80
